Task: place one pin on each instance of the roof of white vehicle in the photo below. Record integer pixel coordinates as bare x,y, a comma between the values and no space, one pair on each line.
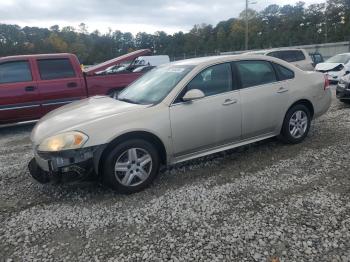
213,59
343,54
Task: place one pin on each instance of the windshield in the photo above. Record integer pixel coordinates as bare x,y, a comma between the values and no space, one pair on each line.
344,59
154,86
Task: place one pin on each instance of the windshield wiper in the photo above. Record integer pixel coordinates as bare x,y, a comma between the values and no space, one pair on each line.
127,100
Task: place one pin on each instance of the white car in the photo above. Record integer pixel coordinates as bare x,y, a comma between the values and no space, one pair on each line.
335,67
298,57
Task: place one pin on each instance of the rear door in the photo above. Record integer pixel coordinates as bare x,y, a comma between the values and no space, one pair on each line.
19,100
264,98
59,83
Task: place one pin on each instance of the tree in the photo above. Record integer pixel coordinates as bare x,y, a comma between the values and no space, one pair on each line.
274,26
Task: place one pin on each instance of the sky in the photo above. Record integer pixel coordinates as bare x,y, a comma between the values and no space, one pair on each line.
127,15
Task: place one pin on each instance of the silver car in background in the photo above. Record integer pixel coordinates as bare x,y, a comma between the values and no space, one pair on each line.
296,56
177,112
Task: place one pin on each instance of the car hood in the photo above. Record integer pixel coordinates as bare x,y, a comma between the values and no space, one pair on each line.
68,117
127,57
327,66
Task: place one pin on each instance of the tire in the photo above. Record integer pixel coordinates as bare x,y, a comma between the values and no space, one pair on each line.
345,101
296,124
131,166
113,93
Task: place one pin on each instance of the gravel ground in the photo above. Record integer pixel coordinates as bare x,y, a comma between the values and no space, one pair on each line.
263,202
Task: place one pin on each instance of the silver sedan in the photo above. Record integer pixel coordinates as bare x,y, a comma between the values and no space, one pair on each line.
176,112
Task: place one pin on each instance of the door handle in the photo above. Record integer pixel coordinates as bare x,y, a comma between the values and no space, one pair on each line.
72,85
230,102
30,88
282,90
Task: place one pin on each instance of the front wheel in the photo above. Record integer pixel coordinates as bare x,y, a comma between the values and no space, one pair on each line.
296,124
131,166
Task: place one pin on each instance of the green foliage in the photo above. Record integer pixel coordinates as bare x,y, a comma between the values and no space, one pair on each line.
274,26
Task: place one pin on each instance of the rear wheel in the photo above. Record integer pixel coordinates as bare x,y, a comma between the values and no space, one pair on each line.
346,101
296,124
131,166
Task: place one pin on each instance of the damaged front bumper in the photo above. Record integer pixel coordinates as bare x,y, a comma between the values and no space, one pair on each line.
65,166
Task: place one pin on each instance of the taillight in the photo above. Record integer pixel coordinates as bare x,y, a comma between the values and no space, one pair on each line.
326,82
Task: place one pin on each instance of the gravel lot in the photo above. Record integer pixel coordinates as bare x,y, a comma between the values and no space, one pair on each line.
255,203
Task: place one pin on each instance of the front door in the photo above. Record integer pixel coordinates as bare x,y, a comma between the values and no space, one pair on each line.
19,100
210,121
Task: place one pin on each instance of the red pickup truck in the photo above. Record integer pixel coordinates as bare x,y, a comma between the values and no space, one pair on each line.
32,85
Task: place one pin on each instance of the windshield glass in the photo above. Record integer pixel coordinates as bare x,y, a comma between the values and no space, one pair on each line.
154,86
344,59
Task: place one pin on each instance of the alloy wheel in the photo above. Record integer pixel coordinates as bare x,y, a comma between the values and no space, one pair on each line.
298,124
133,167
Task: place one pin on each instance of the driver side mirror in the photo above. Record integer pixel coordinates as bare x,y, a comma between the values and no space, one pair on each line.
193,94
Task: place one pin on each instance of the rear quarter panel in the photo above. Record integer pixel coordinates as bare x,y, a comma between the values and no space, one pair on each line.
310,86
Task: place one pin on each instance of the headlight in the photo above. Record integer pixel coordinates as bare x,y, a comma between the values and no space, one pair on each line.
64,141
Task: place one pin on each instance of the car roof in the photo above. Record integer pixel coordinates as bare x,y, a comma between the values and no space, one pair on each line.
225,58
348,54
16,57
264,51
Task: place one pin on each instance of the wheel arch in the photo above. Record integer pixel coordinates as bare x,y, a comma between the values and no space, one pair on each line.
145,135
306,103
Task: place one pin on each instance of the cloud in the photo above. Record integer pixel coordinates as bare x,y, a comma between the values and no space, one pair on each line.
126,15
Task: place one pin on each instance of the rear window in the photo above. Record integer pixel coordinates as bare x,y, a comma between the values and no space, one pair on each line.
16,71
254,73
288,55
55,68
283,73
316,58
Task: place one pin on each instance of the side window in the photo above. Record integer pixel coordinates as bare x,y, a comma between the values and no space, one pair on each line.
318,59
299,55
283,72
55,68
16,71
277,54
254,73
289,55
213,80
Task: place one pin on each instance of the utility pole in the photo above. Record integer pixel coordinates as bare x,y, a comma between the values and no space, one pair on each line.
246,25
326,24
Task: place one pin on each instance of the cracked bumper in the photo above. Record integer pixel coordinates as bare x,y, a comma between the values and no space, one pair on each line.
65,166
